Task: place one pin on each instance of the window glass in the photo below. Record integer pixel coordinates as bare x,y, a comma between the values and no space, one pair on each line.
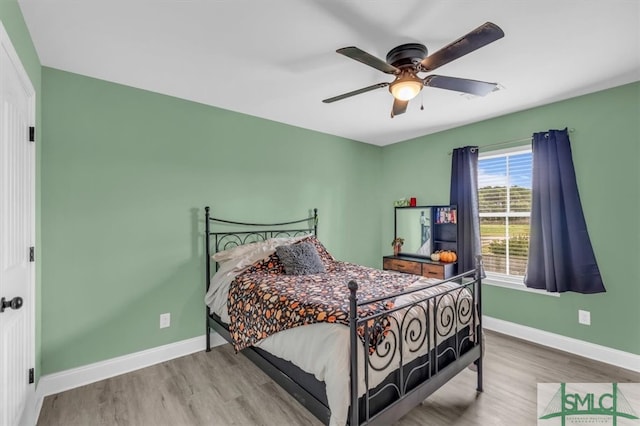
504,193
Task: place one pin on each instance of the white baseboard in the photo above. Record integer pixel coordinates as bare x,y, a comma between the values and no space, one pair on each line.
567,344
51,384
76,377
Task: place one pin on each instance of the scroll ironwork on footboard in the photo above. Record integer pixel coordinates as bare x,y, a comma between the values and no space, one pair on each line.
432,332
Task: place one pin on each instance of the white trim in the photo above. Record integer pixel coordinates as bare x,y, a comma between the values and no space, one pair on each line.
505,214
513,284
51,384
521,148
29,413
589,350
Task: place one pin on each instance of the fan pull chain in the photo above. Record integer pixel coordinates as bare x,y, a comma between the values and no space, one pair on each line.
422,101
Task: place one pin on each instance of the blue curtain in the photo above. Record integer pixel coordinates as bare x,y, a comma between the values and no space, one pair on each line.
464,194
560,254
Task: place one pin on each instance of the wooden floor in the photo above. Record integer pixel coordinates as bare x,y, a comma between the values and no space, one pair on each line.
221,388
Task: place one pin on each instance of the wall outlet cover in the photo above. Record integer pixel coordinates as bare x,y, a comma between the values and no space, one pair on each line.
584,317
165,320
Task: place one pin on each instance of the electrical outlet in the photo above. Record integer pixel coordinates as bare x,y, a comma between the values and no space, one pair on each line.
165,320
584,317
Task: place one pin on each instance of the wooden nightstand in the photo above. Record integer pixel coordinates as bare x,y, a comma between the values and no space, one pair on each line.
419,266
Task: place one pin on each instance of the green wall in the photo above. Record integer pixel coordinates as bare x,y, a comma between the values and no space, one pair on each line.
13,22
126,174
606,152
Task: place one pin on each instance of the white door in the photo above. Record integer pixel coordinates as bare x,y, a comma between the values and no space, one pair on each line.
17,231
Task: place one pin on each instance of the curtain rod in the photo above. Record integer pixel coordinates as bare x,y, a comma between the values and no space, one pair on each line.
510,141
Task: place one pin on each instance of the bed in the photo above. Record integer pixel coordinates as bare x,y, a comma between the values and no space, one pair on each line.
412,334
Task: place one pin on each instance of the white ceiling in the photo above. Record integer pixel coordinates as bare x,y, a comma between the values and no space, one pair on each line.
276,58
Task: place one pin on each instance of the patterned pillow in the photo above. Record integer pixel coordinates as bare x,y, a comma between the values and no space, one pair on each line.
273,265
300,259
270,265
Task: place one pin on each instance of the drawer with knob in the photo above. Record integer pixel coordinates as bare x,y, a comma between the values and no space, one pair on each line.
405,266
419,266
433,271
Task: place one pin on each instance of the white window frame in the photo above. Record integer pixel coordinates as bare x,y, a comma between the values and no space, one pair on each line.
506,280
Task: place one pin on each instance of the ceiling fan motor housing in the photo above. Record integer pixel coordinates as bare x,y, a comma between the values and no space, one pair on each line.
407,55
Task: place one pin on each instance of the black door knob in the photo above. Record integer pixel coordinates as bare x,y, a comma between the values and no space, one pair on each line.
15,303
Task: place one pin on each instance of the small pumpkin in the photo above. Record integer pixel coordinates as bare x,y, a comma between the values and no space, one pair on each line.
435,256
448,256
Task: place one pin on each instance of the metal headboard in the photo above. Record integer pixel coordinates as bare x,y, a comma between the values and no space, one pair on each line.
249,234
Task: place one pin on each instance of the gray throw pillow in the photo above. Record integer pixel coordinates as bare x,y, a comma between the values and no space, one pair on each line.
300,259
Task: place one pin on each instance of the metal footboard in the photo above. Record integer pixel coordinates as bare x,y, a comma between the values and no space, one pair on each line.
441,334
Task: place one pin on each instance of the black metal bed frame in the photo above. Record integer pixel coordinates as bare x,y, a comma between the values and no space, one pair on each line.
449,336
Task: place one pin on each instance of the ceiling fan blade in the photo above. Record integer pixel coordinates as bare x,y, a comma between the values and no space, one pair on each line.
355,92
399,107
481,36
367,59
475,87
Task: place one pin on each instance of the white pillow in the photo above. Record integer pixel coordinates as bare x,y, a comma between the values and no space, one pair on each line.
246,249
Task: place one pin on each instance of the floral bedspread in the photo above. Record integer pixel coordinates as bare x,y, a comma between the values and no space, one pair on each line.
262,303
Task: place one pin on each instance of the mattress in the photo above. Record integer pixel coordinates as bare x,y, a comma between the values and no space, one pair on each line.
323,348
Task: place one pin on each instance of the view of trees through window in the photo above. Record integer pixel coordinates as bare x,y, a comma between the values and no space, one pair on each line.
504,192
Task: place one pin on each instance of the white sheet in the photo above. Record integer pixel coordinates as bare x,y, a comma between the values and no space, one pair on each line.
320,349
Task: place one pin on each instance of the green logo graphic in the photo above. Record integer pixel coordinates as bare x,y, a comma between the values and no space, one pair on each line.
589,406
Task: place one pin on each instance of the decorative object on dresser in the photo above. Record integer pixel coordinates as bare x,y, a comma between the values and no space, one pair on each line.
427,231
397,245
411,335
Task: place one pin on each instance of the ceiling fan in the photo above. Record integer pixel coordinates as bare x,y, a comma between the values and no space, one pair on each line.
407,60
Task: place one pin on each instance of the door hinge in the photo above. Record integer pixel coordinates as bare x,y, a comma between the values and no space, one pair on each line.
32,134
31,376
32,254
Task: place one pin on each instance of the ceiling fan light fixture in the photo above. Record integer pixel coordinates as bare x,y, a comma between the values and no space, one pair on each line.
407,88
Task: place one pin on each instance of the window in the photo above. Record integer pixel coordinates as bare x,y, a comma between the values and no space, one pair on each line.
504,193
